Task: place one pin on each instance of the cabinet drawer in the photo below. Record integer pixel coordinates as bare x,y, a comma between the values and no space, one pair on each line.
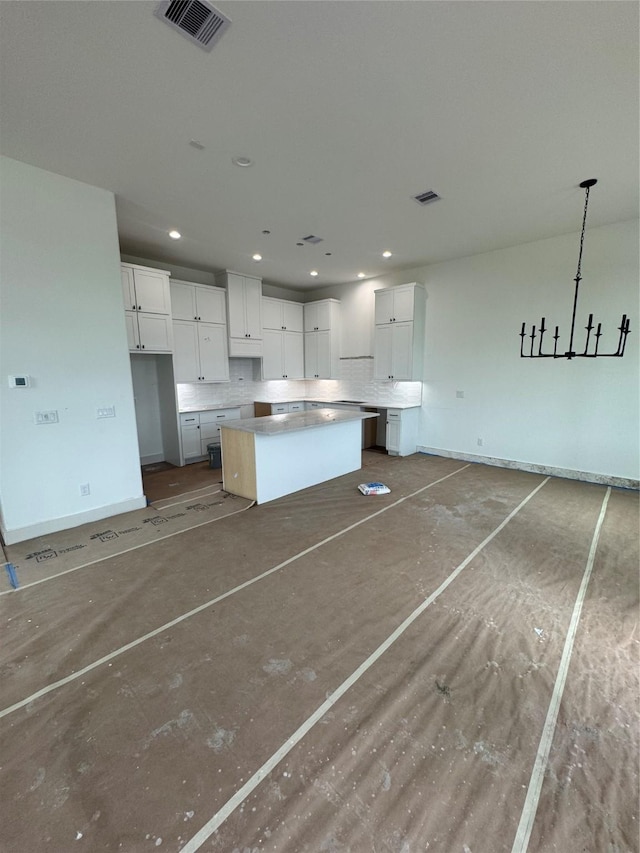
279,408
296,407
189,419
215,416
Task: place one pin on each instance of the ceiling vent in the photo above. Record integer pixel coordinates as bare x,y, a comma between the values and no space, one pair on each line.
198,20
312,239
426,197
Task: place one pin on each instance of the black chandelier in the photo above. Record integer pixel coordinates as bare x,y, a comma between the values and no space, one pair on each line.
535,351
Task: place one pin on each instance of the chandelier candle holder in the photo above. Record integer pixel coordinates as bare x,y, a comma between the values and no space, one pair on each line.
537,335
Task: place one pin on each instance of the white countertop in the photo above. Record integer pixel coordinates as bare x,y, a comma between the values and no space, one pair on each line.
369,403
278,424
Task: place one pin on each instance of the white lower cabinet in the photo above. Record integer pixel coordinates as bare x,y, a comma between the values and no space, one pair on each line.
402,431
198,429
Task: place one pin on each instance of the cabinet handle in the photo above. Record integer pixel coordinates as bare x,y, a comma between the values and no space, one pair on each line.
139,307
137,346
142,346
195,318
133,307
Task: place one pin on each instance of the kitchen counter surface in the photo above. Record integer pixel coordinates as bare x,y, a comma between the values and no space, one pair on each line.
186,409
370,404
295,421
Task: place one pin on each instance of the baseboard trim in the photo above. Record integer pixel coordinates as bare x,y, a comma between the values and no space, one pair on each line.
548,470
152,459
66,522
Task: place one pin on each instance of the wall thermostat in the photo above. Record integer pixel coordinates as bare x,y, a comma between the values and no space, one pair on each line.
19,381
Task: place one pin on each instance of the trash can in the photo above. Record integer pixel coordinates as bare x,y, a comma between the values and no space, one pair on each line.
215,455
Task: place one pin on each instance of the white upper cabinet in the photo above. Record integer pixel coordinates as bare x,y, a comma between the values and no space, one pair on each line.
198,302
399,332
244,314
319,316
322,339
283,356
281,314
395,304
147,305
199,333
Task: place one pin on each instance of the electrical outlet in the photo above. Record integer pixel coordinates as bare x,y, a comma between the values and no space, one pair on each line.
480,442
46,417
85,489
106,412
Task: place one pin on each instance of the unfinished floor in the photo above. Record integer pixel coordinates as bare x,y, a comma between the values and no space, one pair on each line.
450,667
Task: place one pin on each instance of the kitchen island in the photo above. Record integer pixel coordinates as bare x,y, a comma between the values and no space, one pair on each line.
269,457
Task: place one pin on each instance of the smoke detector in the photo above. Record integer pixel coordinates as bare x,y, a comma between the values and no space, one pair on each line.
197,20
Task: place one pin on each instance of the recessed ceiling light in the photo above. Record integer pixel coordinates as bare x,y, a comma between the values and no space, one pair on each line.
386,254
313,272
195,144
242,161
175,235
266,232
299,244
362,275
257,257
327,253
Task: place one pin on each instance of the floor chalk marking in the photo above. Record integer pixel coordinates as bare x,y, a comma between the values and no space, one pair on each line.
117,652
530,807
242,793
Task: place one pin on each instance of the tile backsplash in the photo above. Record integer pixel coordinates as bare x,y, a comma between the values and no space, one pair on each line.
245,386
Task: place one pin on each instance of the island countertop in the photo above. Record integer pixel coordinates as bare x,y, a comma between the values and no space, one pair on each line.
294,421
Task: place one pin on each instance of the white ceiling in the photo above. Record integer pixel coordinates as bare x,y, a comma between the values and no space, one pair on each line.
348,109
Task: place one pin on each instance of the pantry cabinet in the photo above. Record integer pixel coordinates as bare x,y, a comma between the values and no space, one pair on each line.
399,332
199,333
244,314
322,339
147,307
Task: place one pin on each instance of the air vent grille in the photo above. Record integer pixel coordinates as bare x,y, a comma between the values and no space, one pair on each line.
426,197
311,238
199,21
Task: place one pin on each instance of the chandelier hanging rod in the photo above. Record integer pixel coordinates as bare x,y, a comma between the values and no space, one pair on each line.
571,353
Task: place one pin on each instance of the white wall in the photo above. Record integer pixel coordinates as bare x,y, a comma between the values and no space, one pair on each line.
574,416
62,323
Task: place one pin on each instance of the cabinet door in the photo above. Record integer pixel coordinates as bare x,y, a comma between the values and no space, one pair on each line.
155,332
152,292
272,314
383,306
403,301
183,301
253,307
402,351
291,317
272,362
324,355
293,355
133,337
191,442
128,290
211,305
212,342
317,316
382,349
235,306
394,426
186,361
310,355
